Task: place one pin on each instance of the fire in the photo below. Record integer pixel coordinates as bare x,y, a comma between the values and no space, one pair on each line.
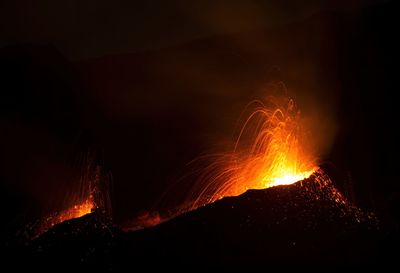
272,149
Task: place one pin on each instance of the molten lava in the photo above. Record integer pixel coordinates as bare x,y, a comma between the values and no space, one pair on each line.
75,211
272,149
91,193
289,179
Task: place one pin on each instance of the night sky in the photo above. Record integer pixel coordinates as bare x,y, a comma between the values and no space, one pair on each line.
84,29
149,85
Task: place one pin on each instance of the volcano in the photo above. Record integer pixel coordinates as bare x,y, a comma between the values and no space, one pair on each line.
305,224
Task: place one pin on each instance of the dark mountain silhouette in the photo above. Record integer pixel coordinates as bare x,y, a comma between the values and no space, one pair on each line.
305,225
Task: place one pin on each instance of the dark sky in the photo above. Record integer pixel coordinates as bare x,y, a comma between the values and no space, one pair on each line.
93,28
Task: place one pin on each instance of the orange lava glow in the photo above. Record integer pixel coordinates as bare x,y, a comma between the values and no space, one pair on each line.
75,211
289,179
272,149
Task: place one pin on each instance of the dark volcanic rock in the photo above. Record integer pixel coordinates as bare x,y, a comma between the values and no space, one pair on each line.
82,242
307,224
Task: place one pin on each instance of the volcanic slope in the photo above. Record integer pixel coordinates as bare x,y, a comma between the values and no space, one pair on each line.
306,224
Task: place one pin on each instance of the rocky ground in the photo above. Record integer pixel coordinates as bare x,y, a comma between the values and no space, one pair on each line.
307,224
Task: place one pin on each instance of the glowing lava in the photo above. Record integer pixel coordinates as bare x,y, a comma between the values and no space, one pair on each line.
289,179
272,149
75,211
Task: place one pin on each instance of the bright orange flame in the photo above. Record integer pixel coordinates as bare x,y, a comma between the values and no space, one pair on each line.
272,149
